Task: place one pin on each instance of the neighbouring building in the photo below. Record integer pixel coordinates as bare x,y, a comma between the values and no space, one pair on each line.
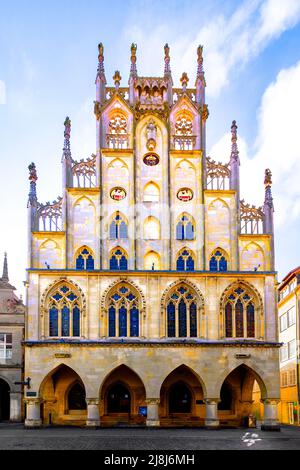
288,311
12,324
151,286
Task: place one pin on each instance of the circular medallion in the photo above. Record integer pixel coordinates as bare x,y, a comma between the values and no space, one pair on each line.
151,159
118,194
185,195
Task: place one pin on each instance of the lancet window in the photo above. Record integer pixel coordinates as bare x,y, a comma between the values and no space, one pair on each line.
218,261
240,314
64,308
124,312
185,229
85,260
186,260
182,313
118,260
118,228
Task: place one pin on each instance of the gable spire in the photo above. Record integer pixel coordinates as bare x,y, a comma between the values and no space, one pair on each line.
67,141
33,179
200,80
234,160
101,78
133,59
5,277
167,60
67,156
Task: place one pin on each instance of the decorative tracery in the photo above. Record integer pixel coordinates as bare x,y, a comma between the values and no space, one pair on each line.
64,307
252,219
124,308
182,313
117,137
118,260
184,138
185,260
218,175
85,259
240,308
218,261
50,216
85,173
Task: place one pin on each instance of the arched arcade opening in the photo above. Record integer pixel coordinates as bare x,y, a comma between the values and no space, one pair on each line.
181,399
123,397
63,398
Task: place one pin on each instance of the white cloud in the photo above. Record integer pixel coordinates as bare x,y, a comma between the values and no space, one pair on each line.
277,147
2,92
229,42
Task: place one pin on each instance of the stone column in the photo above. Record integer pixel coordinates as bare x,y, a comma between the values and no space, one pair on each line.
93,416
212,420
270,422
153,412
33,413
15,407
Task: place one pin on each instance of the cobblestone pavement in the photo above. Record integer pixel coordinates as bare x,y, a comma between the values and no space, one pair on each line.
15,437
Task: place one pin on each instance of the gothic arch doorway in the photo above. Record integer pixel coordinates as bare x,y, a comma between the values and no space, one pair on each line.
63,398
122,396
238,397
118,399
180,398
4,401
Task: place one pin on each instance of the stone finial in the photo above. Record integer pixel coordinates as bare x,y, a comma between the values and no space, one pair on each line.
167,60
5,277
133,70
32,173
101,59
67,125
33,179
234,138
184,81
117,79
268,178
67,143
268,189
200,61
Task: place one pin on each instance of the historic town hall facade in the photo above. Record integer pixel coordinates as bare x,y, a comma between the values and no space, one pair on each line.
151,285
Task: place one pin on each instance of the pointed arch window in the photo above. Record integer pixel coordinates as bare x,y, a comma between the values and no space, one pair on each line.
182,313
85,260
185,229
186,261
240,314
118,229
124,312
118,260
218,261
64,310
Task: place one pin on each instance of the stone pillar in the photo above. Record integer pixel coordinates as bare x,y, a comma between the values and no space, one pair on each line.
153,412
15,407
33,413
93,416
270,422
212,420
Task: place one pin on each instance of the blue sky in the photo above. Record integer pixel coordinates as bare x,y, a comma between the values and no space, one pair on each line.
48,61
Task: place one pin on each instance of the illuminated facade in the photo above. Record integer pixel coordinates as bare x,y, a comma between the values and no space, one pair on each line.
151,286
